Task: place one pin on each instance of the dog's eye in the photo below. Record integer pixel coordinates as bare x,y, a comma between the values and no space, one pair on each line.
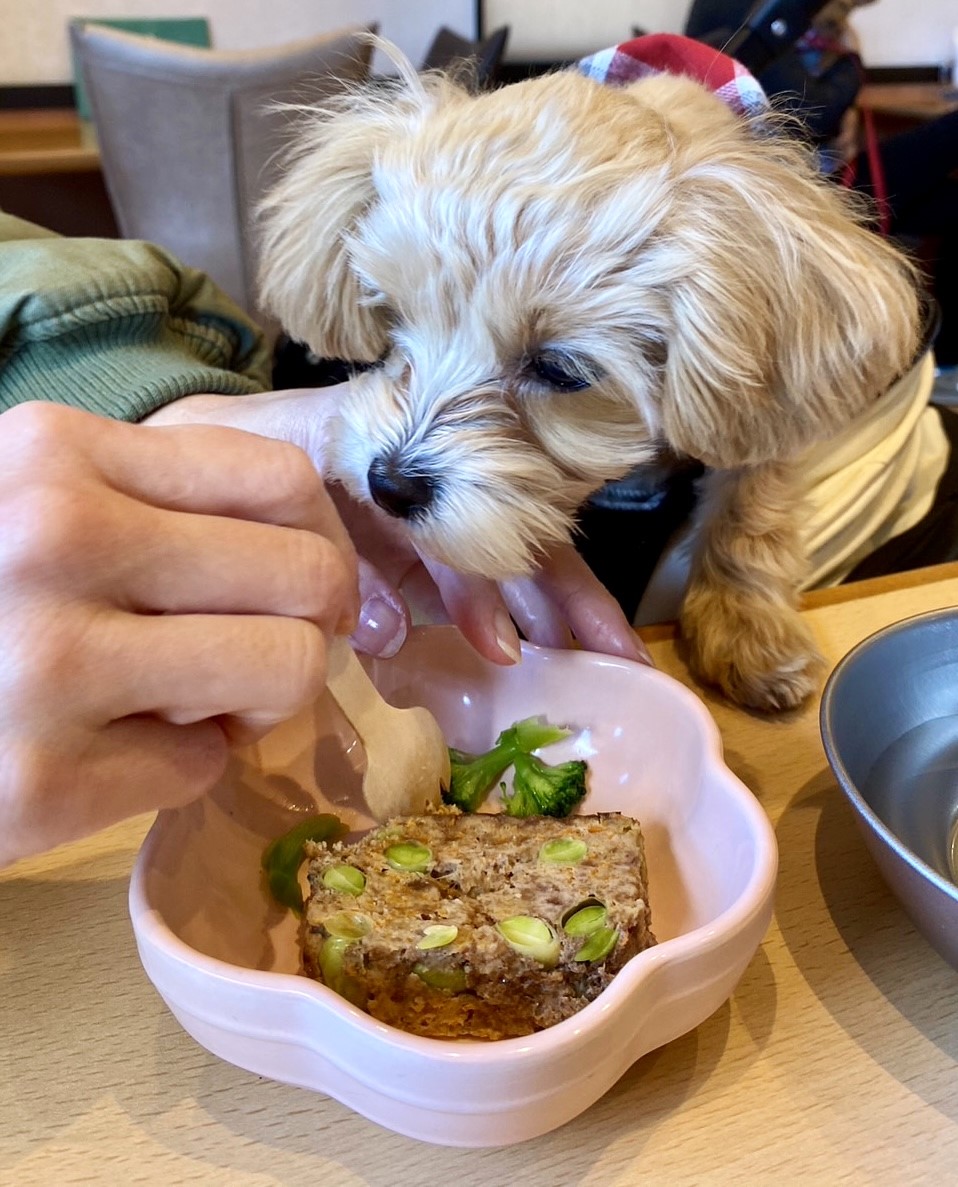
561,372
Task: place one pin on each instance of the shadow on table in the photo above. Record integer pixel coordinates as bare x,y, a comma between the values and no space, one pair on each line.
875,940
125,1064
296,1131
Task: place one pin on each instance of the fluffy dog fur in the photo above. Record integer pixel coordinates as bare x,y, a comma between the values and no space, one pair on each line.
562,280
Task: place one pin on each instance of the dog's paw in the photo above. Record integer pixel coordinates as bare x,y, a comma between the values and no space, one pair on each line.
760,654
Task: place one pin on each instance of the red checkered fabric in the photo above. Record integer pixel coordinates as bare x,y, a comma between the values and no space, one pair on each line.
669,53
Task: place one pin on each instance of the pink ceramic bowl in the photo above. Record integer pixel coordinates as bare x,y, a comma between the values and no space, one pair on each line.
226,961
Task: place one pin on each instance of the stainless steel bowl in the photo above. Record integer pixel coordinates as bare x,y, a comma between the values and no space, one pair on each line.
889,722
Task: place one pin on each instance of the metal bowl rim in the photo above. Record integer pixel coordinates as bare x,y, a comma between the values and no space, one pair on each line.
845,781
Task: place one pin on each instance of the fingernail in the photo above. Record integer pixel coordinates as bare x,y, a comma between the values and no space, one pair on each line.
642,653
506,636
381,630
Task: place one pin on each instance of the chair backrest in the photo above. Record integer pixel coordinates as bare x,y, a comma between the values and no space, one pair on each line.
448,47
189,138
186,30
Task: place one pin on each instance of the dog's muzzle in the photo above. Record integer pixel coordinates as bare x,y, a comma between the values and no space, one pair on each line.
404,495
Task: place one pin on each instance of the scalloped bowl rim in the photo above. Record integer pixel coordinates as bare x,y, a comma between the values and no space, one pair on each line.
752,909
702,939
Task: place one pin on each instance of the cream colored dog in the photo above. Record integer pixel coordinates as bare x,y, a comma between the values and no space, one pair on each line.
562,280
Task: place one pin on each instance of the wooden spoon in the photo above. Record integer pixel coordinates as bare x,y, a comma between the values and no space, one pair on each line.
407,760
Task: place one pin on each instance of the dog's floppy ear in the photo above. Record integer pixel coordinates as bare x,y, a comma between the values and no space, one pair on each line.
790,315
305,277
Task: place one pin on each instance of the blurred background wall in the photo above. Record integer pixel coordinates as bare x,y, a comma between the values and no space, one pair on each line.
893,32
33,45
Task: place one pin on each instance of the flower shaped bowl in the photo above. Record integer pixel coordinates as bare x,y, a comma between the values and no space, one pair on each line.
226,960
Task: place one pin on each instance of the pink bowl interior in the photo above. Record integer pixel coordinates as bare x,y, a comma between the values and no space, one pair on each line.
226,959
647,739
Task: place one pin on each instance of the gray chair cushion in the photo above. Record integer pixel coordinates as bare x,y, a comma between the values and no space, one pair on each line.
189,139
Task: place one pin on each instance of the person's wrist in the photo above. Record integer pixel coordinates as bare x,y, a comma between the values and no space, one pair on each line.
204,408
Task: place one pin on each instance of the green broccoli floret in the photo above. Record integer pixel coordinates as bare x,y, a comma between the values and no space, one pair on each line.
473,776
542,790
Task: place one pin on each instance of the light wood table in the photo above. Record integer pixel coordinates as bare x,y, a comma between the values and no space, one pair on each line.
46,140
909,102
835,1061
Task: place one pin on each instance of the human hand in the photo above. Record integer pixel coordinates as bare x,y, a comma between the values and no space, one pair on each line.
163,593
563,601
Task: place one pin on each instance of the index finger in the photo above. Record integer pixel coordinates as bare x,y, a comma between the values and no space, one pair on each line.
582,602
211,470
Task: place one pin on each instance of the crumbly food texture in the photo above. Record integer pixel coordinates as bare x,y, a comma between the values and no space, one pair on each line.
422,946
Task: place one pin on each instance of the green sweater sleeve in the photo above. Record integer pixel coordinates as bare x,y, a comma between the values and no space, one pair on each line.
118,327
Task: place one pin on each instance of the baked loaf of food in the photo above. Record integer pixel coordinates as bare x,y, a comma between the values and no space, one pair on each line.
477,926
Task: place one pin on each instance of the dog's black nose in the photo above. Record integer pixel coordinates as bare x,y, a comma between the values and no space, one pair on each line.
402,494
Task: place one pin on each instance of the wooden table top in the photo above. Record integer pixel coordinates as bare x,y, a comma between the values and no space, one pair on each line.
54,140
46,140
835,1060
910,100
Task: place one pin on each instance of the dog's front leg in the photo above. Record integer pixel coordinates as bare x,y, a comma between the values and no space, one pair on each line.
740,614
